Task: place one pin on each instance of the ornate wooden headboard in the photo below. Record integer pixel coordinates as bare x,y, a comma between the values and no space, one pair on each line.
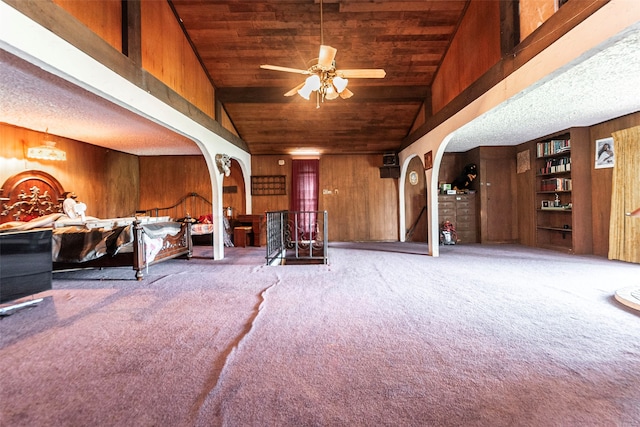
28,195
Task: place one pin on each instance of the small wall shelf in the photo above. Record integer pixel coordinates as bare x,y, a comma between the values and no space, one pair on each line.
268,185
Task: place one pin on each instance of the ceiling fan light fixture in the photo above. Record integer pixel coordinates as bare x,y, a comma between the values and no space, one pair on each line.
313,82
330,92
305,91
340,83
346,94
324,78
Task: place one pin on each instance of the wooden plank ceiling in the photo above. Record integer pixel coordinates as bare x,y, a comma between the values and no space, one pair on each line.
407,39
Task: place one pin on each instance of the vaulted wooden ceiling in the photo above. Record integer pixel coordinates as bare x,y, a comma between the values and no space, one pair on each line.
408,39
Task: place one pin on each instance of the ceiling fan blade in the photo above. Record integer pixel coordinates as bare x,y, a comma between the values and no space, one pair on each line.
286,69
295,90
370,73
346,94
326,56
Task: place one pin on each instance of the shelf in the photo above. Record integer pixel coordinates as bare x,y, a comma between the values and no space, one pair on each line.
555,209
554,173
565,153
269,185
552,192
564,230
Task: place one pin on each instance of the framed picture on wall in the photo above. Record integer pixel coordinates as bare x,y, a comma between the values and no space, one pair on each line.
605,154
428,160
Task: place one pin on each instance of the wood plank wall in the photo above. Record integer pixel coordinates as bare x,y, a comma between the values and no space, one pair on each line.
473,51
534,13
235,181
106,180
598,181
601,183
526,197
167,54
415,200
364,207
104,18
265,166
164,180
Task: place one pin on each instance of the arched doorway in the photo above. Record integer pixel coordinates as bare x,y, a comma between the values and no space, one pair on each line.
415,201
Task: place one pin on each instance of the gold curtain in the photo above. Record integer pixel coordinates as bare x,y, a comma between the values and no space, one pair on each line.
624,230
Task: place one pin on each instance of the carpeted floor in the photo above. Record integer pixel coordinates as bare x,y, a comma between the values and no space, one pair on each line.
382,335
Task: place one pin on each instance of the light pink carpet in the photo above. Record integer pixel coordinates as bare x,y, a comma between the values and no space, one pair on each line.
383,335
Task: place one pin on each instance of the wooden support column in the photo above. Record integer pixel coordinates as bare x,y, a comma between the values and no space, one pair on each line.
509,26
132,31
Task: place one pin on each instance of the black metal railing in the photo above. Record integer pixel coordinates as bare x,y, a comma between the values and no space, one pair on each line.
297,237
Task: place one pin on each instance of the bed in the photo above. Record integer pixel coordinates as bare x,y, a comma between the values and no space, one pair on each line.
33,200
197,210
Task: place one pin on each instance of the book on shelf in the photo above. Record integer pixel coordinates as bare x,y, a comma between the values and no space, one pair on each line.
554,146
556,165
556,184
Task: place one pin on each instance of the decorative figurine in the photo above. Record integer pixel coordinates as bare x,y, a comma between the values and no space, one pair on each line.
463,182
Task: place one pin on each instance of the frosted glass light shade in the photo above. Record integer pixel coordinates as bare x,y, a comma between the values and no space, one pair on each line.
305,91
313,82
330,92
340,83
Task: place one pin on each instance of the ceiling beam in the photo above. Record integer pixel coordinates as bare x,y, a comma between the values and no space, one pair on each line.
253,95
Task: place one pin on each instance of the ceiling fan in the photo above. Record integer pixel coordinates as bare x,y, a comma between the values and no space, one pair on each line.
324,79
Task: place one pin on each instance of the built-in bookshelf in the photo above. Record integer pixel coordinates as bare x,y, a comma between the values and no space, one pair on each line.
554,207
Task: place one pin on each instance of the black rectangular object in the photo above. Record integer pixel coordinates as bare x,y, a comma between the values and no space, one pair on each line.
25,263
390,172
390,159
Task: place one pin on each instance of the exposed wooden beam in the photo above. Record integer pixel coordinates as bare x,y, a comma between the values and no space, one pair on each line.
509,26
255,95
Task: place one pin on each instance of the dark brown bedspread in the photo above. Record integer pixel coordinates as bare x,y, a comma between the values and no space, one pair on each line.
78,244
74,244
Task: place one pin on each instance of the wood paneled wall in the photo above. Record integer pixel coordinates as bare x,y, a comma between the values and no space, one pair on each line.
265,166
103,17
601,182
525,197
167,54
226,122
106,180
415,201
451,167
596,181
533,13
472,52
361,206
164,180
237,200
166,51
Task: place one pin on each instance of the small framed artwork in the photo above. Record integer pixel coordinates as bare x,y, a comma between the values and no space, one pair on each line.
523,162
545,204
428,160
605,154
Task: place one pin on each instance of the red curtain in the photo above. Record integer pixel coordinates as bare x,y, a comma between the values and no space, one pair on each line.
304,195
